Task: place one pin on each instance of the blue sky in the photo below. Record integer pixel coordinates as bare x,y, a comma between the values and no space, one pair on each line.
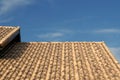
65,20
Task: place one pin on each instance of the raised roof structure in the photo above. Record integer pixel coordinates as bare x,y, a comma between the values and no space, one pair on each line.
58,61
7,34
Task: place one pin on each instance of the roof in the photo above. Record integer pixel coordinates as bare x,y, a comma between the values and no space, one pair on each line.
7,34
58,61
54,60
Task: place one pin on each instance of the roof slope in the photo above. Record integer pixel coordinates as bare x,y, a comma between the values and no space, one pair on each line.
59,61
7,34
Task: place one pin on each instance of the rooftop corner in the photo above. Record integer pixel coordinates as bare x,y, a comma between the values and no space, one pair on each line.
7,34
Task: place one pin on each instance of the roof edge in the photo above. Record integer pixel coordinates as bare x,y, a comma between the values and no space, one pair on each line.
9,37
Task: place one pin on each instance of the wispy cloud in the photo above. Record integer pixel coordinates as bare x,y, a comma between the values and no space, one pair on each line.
8,5
56,35
66,31
98,31
72,20
50,1
6,20
107,31
51,35
116,52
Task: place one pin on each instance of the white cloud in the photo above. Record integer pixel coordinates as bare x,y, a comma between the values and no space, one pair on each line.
51,35
116,52
99,31
66,31
6,20
56,35
108,31
8,5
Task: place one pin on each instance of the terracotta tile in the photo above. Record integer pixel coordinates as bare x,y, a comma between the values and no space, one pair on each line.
59,60
7,34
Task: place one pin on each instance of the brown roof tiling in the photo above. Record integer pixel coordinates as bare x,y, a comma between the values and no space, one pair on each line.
7,34
58,61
